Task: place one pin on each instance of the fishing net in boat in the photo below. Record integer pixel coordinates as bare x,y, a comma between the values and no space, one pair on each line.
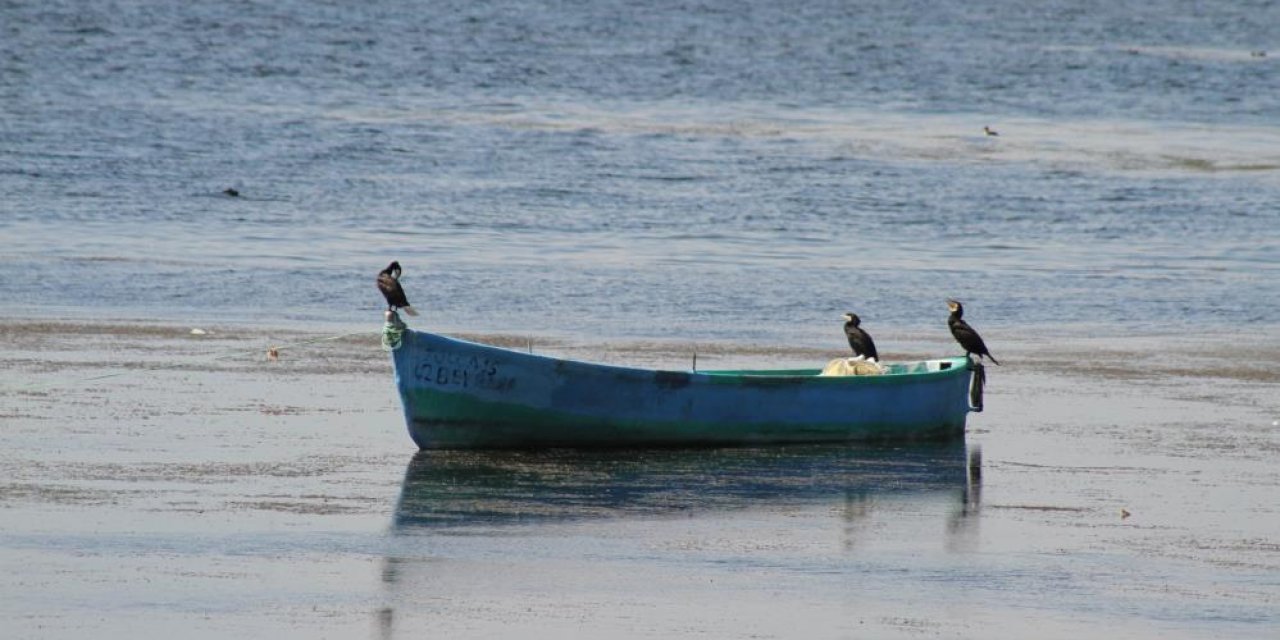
852,367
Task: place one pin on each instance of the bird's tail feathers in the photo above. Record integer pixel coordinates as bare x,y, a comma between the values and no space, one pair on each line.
413,312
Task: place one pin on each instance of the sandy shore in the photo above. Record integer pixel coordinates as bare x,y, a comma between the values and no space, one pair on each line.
157,480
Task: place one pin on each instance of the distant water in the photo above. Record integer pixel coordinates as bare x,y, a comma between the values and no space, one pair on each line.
710,170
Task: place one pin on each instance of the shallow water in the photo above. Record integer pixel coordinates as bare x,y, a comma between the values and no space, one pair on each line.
159,482
633,184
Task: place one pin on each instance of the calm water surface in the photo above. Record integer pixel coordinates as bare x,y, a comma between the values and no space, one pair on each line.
609,169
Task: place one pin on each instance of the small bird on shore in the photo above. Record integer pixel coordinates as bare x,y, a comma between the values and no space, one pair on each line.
389,285
964,334
859,340
989,131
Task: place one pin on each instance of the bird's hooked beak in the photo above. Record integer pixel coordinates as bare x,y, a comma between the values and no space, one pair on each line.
953,305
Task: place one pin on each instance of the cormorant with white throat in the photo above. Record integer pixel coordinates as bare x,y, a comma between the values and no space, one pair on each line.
859,340
964,334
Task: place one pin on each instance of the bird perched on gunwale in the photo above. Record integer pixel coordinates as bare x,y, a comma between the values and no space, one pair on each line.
859,340
389,285
964,334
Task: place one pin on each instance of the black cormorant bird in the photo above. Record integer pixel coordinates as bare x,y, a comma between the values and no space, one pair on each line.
964,334
859,340
989,131
389,285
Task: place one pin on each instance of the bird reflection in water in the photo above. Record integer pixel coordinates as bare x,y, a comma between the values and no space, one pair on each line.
855,514
962,526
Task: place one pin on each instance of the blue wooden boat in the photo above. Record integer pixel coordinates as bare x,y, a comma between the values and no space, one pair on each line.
463,395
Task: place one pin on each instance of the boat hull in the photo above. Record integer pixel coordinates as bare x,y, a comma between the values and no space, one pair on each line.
458,394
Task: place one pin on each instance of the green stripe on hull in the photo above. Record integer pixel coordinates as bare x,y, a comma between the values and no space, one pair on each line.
453,421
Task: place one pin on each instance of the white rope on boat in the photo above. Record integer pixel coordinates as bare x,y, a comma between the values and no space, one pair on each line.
393,332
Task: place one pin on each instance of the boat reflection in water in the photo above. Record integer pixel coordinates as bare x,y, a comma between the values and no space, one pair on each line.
485,488
461,515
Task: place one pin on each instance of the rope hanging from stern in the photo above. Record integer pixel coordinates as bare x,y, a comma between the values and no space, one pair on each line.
976,385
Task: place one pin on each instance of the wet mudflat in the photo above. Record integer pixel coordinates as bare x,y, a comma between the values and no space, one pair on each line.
156,481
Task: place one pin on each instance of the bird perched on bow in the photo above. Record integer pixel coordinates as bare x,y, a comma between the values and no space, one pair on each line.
389,285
